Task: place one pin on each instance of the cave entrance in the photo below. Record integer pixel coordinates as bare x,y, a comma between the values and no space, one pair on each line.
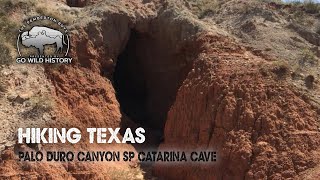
146,78
130,83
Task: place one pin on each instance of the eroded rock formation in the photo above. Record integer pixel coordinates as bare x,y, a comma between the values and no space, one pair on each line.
260,128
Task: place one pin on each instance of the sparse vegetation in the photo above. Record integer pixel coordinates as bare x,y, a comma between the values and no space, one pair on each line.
8,30
204,8
311,7
309,81
318,30
4,54
7,27
307,63
308,58
3,87
39,106
300,11
25,72
134,173
44,10
296,2
298,16
280,68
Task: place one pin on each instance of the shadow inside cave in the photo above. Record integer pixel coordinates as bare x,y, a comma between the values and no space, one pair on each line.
146,78
131,81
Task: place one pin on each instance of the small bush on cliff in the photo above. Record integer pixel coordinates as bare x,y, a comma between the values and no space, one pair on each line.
3,87
308,58
203,8
308,6
280,68
312,7
309,81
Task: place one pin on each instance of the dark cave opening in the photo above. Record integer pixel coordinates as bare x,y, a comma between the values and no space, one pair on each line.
130,83
132,80
146,78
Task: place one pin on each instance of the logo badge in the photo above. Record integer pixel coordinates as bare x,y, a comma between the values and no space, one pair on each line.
43,39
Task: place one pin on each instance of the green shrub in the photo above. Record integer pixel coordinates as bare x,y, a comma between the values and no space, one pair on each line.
309,81
308,57
311,7
280,68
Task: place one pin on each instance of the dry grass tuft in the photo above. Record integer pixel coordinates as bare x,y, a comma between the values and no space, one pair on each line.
39,106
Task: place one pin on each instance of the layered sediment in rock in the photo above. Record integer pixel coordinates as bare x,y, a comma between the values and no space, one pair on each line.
260,128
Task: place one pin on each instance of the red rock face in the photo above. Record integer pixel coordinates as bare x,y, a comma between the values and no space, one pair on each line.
260,127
